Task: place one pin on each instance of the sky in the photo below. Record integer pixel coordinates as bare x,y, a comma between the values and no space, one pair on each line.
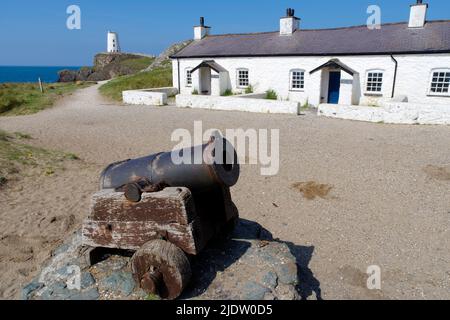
34,33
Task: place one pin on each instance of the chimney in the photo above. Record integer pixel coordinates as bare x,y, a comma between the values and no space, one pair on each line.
201,30
290,23
418,15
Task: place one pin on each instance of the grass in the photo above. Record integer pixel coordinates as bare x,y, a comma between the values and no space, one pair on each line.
312,189
227,93
26,98
159,77
271,95
15,156
137,64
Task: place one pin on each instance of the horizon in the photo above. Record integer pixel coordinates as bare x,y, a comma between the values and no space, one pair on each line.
138,24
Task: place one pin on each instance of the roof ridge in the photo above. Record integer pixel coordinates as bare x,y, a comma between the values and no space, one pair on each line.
324,29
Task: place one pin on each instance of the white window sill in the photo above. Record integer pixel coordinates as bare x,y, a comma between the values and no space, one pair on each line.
297,90
441,95
375,94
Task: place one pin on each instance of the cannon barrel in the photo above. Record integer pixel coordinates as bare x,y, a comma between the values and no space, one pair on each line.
218,165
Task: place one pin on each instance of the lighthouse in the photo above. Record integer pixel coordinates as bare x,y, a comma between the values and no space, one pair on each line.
113,42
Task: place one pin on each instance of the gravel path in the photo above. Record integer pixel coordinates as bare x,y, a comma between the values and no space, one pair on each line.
389,205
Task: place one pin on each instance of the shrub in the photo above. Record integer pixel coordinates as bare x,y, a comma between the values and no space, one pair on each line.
271,95
195,92
8,101
249,89
227,93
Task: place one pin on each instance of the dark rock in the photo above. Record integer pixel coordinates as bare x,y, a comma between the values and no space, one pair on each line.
87,280
90,294
243,267
287,273
67,75
120,283
30,288
254,291
270,279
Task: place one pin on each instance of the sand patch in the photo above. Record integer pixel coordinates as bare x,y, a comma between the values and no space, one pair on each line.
438,173
312,189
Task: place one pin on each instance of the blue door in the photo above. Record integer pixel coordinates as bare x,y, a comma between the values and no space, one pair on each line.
333,87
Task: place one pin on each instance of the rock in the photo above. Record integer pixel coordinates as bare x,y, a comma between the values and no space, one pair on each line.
270,279
163,58
90,294
243,267
67,75
106,66
118,283
287,273
254,291
286,292
29,288
87,280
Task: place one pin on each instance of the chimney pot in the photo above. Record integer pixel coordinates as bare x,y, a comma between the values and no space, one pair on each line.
201,30
418,14
289,24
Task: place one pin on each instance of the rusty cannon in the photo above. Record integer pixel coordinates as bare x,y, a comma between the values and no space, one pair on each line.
165,211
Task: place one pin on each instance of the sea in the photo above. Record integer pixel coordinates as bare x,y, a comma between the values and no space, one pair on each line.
31,74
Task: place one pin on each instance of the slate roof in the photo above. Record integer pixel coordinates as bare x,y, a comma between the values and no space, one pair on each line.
392,38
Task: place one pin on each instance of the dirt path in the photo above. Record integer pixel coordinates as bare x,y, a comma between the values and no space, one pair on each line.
389,204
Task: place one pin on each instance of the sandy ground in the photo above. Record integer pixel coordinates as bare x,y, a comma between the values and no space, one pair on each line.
389,205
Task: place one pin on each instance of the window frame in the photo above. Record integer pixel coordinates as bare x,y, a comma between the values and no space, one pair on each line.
430,83
186,82
238,83
291,73
366,83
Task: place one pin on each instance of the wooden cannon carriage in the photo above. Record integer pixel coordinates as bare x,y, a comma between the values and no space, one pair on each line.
165,212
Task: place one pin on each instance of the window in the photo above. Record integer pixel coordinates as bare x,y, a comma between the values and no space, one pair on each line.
374,82
440,82
297,80
188,77
242,78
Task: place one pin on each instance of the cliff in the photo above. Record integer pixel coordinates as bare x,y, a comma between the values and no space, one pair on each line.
107,66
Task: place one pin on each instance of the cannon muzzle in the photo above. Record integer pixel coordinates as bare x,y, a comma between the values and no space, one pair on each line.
198,168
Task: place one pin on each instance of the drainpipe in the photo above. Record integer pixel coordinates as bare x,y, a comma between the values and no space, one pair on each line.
395,76
179,84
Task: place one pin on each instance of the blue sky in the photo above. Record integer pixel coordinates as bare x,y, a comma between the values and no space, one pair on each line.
34,32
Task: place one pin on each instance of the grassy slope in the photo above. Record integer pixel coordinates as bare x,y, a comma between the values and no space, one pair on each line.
137,64
26,98
15,155
159,77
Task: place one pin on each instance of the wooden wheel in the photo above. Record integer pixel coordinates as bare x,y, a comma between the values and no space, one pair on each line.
160,267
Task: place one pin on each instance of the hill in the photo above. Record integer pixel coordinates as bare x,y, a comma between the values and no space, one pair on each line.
157,74
108,66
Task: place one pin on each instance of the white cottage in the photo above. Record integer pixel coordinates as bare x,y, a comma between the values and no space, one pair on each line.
345,66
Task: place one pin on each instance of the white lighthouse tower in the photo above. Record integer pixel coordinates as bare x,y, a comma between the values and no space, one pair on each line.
113,42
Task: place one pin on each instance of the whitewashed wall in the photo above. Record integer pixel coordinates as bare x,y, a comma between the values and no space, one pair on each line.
413,77
249,103
390,112
149,97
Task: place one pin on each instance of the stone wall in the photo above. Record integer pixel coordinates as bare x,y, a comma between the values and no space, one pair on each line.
390,112
236,103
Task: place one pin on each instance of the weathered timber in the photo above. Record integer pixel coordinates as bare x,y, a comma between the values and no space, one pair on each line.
160,267
131,235
169,205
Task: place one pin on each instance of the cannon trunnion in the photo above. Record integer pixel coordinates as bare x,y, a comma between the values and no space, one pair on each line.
165,212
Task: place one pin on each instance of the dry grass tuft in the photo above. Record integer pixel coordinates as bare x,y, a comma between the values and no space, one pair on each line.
312,189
